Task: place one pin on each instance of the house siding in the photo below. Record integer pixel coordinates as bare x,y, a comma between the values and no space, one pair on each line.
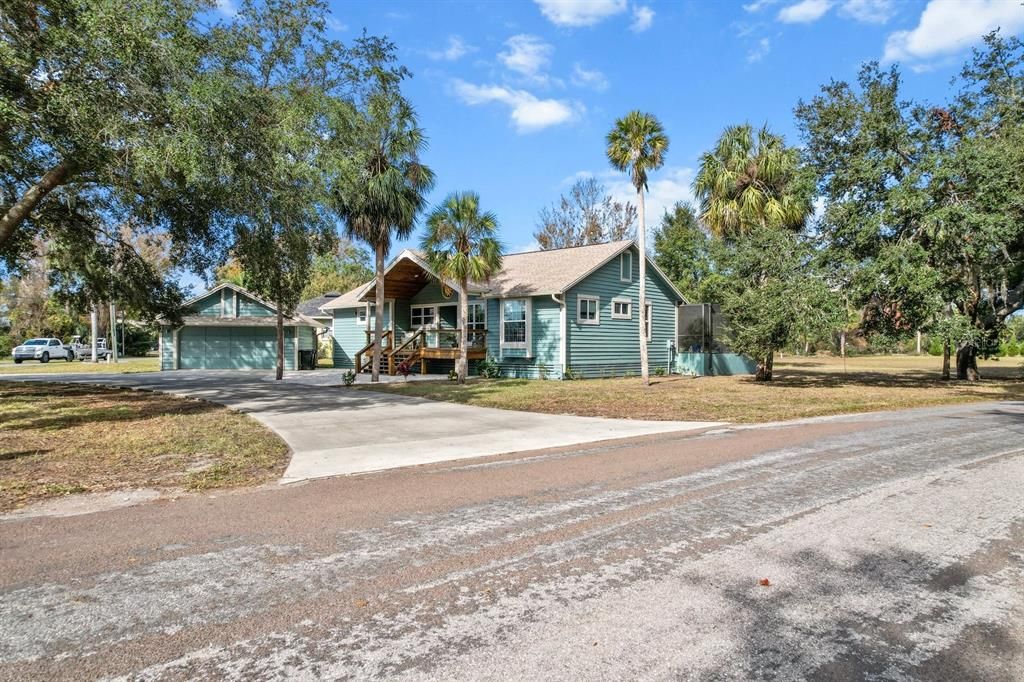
248,307
545,341
166,348
208,306
611,348
349,337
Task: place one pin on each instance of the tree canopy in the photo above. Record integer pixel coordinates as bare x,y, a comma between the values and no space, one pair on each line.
587,214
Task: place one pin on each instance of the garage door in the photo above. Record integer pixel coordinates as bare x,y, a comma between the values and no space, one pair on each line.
227,348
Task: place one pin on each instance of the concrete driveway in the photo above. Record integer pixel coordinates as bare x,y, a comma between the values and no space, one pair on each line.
334,430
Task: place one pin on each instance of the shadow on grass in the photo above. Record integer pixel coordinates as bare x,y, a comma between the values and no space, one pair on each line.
53,406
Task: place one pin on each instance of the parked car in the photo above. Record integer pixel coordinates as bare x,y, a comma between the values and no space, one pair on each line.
42,350
83,349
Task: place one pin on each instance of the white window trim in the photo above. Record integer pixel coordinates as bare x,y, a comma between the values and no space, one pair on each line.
649,322
622,261
629,311
597,310
365,321
434,314
502,344
483,306
389,310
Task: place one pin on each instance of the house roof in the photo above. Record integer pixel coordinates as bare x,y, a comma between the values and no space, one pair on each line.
534,273
311,307
251,321
297,320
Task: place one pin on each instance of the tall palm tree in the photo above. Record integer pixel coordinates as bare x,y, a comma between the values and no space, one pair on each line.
637,145
461,247
746,183
386,190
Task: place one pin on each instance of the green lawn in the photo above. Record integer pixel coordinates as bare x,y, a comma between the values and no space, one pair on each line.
60,439
803,387
123,366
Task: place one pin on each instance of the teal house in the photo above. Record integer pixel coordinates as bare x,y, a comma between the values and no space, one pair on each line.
230,328
546,314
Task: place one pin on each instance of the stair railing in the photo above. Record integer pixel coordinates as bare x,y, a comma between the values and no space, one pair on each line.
386,338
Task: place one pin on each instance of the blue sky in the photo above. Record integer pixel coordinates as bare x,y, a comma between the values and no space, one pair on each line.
516,97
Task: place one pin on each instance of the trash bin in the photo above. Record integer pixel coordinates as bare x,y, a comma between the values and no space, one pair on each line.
307,359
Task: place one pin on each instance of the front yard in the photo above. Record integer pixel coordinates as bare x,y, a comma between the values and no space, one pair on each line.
122,366
803,387
59,439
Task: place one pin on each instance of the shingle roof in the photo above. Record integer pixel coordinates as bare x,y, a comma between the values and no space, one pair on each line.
254,321
534,273
537,273
311,307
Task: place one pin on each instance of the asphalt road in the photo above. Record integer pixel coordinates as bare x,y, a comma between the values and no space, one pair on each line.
886,546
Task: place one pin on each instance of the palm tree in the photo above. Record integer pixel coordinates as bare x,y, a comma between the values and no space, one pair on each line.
387,188
637,145
746,183
461,247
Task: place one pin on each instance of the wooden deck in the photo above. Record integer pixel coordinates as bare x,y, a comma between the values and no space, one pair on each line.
451,353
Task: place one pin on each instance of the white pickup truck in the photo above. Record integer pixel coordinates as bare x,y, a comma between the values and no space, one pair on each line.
42,350
82,349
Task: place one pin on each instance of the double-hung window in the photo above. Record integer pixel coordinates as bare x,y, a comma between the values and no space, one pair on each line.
361,316
421,316
626,266
588,310
513,323
476,317
622,309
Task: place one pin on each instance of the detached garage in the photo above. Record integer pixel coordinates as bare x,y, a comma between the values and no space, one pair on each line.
229,328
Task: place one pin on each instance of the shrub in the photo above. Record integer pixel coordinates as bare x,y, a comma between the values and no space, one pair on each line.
6,345
1011,349
404,369
453,375
659,371
349,377
934,346
571,374
488,368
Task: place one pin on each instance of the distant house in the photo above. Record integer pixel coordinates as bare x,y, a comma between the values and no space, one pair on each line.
545,312
230,328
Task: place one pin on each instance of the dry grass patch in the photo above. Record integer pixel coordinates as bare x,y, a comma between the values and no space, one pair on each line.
58,439
804,387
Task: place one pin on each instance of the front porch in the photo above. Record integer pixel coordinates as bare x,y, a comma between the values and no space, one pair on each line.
422,329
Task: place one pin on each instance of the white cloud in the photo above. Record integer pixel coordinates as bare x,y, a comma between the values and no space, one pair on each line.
867,11
588,78
455,49
666,187
759,51
759,5
576,13
336,26
949,26
528,56
528,112
804,12
643,18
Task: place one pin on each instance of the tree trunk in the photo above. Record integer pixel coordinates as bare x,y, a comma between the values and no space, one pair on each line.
764,368
842,343
641,234
462,368
279,372
918,341
378,317
18,211
967,363
945,360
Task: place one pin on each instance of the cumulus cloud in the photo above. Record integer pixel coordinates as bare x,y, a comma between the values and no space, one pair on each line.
950,26
227,8
528,56
575,13
643,18
455,50
588,78
527,112
804,12
867,11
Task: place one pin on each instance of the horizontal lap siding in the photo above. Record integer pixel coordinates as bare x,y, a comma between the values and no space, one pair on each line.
349,338
612,347
307,338
248,307
208,306
545,334
166,348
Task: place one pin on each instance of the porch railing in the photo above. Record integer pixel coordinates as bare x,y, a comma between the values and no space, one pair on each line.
451,338
385,343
